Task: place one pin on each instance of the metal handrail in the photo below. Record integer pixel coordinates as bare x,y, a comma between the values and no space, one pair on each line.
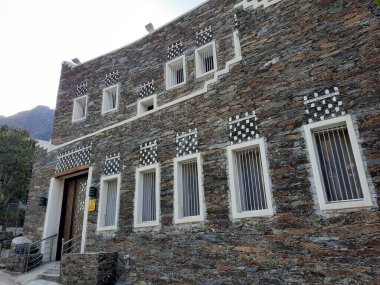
71,246
34,259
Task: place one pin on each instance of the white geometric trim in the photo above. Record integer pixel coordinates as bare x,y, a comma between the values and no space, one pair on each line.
204,89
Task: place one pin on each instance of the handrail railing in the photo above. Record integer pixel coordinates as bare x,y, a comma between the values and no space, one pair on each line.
38,252
72,245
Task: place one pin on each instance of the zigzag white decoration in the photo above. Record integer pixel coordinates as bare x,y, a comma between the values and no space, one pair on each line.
253,4
228,66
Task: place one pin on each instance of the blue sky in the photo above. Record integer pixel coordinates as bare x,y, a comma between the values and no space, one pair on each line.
37,36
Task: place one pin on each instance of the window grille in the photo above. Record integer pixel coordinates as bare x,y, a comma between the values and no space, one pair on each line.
80,108
337,165
205,59
250,181
147,193
110,211
175,72
149,197
110,99
109,200
190,189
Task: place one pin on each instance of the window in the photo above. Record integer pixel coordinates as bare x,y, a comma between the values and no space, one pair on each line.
147,196
336,163
109,202
249,180
146,104
205,59
175,72
110,99
188,189
79,109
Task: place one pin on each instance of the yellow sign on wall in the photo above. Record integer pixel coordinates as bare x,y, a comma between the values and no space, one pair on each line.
92,205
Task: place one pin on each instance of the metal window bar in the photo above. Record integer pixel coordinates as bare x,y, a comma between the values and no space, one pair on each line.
207,60
110,209
337,165
38,252
149,197
250,180
190,189
176,73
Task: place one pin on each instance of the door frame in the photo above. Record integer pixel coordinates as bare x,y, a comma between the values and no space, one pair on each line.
54,209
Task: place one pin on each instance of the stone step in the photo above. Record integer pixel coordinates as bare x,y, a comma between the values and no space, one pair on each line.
49,277
52,271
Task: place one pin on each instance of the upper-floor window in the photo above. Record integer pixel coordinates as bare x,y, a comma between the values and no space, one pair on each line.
188,189
109,199
146,104
205,59
110,100
249,180
80,108
176,72
147,196
337,165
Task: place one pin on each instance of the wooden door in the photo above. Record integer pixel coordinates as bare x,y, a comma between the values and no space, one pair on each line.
72,212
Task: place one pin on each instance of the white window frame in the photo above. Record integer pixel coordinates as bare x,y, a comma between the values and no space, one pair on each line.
138,198
232,173
74,108
102,202
317,177
142,104
177,187
167,73
105,90
199,63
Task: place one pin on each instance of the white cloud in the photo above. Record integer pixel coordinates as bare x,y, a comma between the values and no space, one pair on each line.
36,36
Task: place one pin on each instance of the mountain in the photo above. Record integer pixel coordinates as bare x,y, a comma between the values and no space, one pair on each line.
38,122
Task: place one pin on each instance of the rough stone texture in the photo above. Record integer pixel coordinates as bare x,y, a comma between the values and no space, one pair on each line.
89,269
43,169
289,50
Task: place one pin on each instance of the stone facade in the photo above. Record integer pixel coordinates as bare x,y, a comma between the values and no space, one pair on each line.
92,268
285,52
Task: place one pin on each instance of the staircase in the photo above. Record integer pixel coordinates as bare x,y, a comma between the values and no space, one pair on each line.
52,273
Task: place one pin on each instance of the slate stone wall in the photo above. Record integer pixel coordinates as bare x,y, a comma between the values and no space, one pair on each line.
89,269
290,50
43,170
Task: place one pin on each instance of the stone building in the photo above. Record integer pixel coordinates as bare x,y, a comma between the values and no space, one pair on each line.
238,144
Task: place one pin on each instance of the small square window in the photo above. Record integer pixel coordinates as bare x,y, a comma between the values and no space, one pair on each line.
175,72
337,166
249,180
188,189
110,100
109,200
146,104
147,196
205,59
79,109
